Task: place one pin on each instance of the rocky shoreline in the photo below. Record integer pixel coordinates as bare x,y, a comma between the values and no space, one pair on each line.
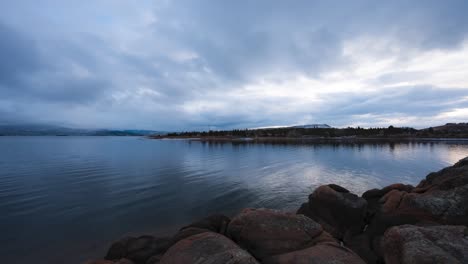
397,224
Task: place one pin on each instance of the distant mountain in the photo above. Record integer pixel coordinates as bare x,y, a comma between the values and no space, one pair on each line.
452,127
46,130
312,126
298,126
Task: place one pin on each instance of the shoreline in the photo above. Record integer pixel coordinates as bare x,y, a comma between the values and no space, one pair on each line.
308,139
399,223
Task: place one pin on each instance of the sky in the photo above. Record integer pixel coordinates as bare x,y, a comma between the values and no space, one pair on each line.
221,64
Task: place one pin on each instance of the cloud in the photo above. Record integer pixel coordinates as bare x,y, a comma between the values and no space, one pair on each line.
18,57
179,65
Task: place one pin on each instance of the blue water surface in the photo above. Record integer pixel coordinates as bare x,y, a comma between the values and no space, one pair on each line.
64,199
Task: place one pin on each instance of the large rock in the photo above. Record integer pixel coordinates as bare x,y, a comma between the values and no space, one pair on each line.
441,198
265,232
432,244
336,209
138,249
207,248
323,253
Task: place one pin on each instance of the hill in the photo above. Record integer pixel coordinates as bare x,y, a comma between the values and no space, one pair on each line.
47,130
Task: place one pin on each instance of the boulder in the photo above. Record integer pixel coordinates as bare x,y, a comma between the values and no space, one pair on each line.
265,232
430,244
99,261
209,248
118,249
138,249
446,179
323,253
187,232
336,209
124,261
374,195
440,199
361,244
215,223
154,259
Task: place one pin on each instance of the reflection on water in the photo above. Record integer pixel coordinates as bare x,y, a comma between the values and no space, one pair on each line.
64,198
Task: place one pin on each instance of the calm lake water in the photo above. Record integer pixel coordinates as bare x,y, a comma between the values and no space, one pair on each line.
64,199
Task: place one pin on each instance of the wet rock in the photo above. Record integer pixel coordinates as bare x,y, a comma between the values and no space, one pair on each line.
328,252
336,209
208,247
265,232
138,249
431,244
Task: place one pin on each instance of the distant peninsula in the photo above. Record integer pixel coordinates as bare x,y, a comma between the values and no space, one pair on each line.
48,130
317,132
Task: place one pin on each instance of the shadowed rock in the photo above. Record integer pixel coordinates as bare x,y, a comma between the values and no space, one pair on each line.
265,232
99,261
336,209
208,248
417,245
328,252
138,249
216,223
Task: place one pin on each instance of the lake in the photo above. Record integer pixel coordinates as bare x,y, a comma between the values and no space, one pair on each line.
65,199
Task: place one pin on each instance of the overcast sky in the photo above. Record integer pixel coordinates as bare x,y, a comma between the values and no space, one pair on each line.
177,65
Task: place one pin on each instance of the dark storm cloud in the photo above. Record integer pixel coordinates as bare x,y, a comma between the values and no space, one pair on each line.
185,64
28,74
18,56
